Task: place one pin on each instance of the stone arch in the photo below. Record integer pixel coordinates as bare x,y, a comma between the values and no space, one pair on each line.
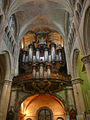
81,1
79,7
77,80
39,97
17,107
6,4
86,31
28,95
77,16
6,63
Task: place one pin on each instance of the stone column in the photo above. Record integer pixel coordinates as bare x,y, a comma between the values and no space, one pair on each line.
86,61
4,101
78,95
69,101
70,98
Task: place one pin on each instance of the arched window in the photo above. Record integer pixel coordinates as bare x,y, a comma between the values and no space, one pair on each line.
60,118
28,119
44,114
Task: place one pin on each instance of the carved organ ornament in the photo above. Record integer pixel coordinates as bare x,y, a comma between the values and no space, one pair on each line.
41,59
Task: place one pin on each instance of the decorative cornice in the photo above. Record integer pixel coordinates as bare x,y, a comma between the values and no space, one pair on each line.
77,80
86,59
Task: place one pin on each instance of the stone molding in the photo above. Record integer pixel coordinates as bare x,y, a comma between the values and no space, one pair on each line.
77,80
7,82
86,59
69,88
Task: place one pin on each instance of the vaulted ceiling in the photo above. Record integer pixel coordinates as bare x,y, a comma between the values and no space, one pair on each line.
31,14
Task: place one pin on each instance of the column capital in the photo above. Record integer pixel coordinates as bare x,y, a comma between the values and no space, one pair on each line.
86,59
77,80
7,82
11,77
69,88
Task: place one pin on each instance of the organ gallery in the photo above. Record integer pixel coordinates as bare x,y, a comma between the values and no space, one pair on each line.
44,59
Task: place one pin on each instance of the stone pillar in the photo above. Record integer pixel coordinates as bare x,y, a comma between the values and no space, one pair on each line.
86,61
80,106
4,101
70,98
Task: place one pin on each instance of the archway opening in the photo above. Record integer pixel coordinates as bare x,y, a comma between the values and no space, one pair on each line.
41,107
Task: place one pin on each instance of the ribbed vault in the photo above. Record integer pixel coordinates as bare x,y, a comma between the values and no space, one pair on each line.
37,13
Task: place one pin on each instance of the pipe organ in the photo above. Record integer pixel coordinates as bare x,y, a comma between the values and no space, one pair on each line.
43,57
40,63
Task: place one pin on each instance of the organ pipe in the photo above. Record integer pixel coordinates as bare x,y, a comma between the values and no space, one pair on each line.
30,52
37,72
24,57
53,53
34,71
48,71
37,55
45,72
41,70
46,54
24,54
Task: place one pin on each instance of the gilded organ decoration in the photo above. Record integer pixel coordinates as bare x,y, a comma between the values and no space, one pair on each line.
40,62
